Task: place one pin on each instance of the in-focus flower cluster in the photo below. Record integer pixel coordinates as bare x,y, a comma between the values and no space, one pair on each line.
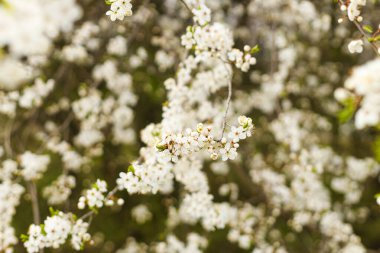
55,231
174,146
119,9
361,92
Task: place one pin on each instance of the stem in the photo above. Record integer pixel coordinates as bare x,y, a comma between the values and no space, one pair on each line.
361,30
228,102
187,6
34,199
8,140
35,207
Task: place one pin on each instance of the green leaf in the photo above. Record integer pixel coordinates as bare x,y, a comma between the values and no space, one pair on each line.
255,49
374,39
53,212
348,111
42,226
161,147
131,169
5,4
95,210
108,2
24,238
95,186
376,148
368,28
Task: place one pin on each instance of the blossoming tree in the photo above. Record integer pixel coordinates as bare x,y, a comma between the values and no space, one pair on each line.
186,126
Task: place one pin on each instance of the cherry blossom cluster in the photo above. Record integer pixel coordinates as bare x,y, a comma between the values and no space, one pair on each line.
55,231
71,159
94,197
352,8
214,39
33,165
361,92
174,146
98,196
115,110
77,89
141,214
59,190
243,60
30,97
10,196
119,9
83,42
37,30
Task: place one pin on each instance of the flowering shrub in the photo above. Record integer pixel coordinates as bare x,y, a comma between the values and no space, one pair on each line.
186,126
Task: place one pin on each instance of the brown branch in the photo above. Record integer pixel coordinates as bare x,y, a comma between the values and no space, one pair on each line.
228,101
361,30
187,6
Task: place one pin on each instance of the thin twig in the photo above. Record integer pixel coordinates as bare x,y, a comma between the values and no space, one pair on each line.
228,100
8,140
361,30
187,6
91,213
34,198
35,207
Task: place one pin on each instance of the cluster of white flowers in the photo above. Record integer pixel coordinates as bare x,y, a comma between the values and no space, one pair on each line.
96,113
95,197
245,227
293,127
356,46
141,214
174,146
332,226
243,60
38,22
30,97
353,9
362,89
214,40
188,171
10,194
281,186
79,234
55,231
357,172
72,160
13,73
59,190
149,177
195,244
132,246
117,46
119,9
83,40
33,165
156,173
202,15
200,207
